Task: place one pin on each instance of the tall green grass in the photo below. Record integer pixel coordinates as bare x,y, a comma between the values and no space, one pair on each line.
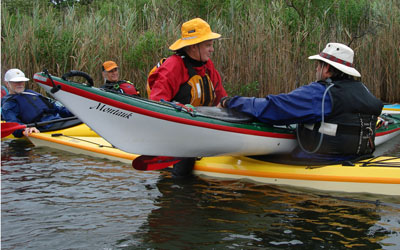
264,48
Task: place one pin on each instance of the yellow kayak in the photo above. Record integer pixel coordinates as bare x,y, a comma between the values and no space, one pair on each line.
78,130
380,175
88,145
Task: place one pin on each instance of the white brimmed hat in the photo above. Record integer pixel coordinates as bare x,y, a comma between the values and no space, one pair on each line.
15,75
339,56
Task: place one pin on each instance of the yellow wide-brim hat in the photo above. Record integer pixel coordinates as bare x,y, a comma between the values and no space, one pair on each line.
193,32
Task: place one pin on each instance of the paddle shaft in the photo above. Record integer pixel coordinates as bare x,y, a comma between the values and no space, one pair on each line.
51,121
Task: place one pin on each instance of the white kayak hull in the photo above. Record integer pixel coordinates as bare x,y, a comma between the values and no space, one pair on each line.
140,126
147,132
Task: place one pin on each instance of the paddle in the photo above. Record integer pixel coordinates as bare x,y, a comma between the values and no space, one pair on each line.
148,162
9,127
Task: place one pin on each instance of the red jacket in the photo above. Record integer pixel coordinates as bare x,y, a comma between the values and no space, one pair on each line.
167,79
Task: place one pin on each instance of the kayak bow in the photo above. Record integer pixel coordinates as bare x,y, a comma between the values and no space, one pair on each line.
157,128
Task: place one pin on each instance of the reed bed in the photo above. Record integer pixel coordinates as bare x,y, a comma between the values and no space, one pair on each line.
263,51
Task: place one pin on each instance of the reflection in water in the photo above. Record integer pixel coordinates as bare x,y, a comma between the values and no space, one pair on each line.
55,200
200,214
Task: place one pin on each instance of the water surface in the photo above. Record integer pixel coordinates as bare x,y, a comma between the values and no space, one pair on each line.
57,200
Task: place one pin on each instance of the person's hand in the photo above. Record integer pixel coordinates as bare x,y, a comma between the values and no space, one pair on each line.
30,130
222,103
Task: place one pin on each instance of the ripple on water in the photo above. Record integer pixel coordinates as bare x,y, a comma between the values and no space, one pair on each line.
56,200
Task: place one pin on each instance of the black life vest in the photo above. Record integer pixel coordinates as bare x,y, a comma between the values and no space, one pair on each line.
354,115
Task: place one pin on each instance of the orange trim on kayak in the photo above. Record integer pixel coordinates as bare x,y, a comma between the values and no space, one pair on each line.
119,153
244,173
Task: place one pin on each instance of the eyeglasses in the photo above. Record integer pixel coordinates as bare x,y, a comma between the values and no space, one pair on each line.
16,82
113,70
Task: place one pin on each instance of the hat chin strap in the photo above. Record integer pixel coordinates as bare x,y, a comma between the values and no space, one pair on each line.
319,77
198,48
191,53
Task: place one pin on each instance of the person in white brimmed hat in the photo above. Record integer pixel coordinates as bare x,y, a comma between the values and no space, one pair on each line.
15,80
336,114
27,106
188,76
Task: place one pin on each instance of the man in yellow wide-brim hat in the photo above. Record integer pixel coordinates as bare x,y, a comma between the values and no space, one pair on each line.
188,76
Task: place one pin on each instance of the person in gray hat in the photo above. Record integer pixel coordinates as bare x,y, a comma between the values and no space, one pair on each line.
336,114
25,106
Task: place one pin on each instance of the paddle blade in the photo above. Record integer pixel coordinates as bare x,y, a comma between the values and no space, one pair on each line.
8,127
148,162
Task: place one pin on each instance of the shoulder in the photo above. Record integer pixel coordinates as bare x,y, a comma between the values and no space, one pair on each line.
350,84
172,60
210,63
316,85
125,82
8,102
7,97
30,92
311,88
210,66
172,65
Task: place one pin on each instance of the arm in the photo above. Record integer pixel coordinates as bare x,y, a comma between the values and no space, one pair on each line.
303,105
53,105
10,111
61,110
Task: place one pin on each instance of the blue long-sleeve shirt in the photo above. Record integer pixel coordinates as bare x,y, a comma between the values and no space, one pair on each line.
302,105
